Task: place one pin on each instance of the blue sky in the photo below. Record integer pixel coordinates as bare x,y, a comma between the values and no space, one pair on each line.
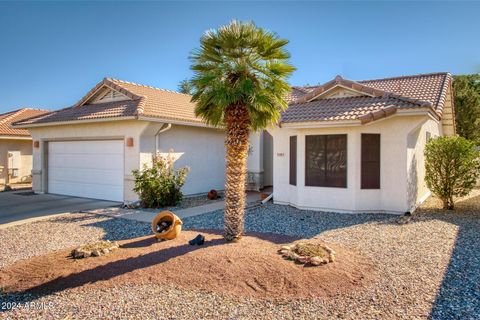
52,53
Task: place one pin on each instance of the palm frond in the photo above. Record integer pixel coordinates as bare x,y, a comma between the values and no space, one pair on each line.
240,63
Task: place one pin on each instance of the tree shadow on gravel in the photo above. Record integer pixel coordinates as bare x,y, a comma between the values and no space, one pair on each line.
459,293
120,267
114,228
286,220
110,270
458,296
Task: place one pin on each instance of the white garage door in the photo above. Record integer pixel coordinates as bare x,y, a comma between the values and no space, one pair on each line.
90,169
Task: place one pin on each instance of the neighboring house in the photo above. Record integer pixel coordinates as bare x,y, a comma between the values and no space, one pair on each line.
16,147
357,146
90,149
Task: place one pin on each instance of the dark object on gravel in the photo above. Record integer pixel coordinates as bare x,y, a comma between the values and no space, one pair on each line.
212,194
163,226
198,240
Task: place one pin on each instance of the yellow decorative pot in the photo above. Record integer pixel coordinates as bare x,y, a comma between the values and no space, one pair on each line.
173,230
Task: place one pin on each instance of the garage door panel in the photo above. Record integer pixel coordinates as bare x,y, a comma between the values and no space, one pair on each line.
86,161
89,147
85,190
91,169
80,175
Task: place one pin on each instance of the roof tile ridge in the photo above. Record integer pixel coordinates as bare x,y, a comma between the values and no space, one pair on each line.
38,116
300,88
296,102
141,106
105,82
373,115
443,93
405,76
48,112
37,109
110,83
13,114
147,86
338,80
422,103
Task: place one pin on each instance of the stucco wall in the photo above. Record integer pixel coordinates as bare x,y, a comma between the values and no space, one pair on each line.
202,150
100,130
392,195
417,190
25,170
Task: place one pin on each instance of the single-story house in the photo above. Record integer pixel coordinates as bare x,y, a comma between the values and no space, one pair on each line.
90,149
358,146
16,147
345,146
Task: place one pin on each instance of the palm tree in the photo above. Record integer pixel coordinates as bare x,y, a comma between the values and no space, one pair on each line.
185,86
239,84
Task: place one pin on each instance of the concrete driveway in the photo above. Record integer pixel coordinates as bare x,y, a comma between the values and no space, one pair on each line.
20,205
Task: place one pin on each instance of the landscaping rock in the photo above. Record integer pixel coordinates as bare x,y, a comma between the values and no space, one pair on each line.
94,249
316,261
308,253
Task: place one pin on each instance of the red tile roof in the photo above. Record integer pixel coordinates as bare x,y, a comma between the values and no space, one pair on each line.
407,92
107,110
6,120
339,109
160,103
419,91
146,102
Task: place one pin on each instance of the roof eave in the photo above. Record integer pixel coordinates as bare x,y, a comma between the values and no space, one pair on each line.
14,137
320,124
176,121
69,122
367,119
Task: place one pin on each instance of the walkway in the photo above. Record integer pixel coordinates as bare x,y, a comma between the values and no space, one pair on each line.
147,216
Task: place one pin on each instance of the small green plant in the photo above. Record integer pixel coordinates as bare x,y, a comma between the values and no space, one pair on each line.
452,168
160,185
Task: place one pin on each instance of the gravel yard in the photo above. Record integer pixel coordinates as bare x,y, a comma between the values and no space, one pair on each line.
28,240
429,267
189,202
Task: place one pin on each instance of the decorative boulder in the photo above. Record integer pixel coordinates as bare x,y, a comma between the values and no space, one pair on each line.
95,249
315,254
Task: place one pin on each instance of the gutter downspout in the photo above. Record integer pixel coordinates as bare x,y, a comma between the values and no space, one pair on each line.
267,198
163,128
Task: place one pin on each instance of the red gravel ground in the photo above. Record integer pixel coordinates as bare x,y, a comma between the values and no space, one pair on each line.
250,267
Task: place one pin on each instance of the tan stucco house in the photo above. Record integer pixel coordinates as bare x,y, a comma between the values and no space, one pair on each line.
90,149
357,146
345,146
16,148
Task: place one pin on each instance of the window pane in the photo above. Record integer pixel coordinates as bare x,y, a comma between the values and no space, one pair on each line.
326,160
336,161
315,160
293,160
370,161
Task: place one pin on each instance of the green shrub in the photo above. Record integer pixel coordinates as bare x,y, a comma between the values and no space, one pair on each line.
452,168
159,186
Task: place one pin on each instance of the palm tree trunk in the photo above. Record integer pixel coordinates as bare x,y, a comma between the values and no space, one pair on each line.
237,120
